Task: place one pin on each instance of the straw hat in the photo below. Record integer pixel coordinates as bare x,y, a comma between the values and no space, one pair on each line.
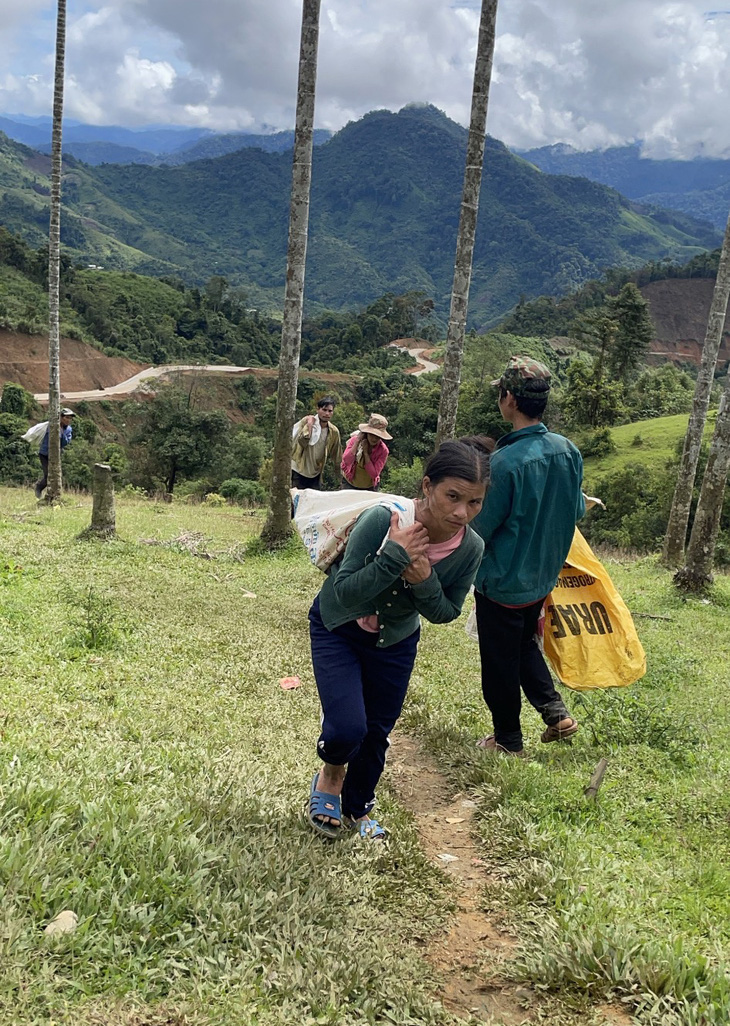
376,425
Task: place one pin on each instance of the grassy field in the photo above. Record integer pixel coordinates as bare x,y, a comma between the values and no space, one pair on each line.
153,774
647,442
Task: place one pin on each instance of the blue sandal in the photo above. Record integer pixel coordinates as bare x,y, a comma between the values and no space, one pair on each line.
323,804
368,829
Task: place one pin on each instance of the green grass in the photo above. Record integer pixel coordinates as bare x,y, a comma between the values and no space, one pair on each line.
659,440
152,777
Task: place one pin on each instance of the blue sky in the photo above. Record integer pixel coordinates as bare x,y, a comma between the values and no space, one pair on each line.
590,73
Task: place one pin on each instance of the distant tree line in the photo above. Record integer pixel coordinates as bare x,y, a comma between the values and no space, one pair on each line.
551,316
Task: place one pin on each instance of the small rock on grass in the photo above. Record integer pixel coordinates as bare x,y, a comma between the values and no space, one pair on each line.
64,922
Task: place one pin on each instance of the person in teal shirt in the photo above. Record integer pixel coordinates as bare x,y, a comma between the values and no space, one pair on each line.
365,624
527,524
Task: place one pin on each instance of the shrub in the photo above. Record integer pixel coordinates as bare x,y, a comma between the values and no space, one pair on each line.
248,391
637,508
405,480
597,443
244,457
214,499
15,400
243,493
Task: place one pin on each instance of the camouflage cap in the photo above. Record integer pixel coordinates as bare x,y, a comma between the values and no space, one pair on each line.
525,376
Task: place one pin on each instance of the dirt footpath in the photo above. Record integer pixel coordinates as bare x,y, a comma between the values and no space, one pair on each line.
468,954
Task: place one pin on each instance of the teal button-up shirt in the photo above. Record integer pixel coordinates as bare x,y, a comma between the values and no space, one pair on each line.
529,515
369,582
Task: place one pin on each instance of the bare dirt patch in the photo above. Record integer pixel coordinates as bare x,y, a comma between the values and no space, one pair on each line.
24,360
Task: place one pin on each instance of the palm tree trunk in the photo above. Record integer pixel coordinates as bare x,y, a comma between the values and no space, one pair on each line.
54,258
467,223
278,524
676,535
696,574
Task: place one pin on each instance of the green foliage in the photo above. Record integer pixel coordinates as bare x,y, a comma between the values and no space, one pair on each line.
412,413
15,399
98,621
244,457
660,392
176,438
77,465
634,332
16,460
637,508
404,480
115,456
347,417
638,498
589,398
547,316
245,493
248,390
597,443
377,225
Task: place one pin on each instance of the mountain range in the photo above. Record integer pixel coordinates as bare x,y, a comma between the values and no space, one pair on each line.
385,205
112,144
700,187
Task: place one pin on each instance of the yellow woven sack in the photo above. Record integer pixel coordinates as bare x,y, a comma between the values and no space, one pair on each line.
590,638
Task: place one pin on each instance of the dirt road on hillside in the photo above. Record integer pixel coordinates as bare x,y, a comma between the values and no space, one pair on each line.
410,346
125,388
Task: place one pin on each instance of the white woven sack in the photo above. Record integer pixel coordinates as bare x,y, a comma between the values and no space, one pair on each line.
323,520
34,435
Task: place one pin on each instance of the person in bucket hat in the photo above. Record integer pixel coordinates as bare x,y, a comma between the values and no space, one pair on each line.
366,454
527,524
66,436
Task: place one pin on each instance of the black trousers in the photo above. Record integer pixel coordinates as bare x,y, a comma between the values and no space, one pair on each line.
43,479
300,481
362,689
511,663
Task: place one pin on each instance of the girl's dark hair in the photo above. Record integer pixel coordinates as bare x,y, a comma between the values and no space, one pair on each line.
467,458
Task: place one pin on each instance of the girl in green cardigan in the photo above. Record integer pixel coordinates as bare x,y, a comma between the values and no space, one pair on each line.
365,624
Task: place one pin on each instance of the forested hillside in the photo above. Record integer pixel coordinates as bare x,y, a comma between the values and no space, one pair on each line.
700,187
385,203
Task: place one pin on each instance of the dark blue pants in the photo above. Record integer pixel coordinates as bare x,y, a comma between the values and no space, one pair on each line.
362,689
511,662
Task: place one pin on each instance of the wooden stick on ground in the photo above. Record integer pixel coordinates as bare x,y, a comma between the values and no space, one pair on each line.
592,790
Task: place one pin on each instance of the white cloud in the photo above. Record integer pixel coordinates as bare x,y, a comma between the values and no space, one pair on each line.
585,71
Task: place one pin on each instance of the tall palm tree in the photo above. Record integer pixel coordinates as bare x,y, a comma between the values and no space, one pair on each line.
278,524
467,223
674,540
54,261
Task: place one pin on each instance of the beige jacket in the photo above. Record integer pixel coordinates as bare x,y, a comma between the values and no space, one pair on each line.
332,449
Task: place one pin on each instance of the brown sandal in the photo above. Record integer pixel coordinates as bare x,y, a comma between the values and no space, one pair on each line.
556,733
490,744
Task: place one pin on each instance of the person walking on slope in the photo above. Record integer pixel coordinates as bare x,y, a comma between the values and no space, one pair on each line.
66,436
366,454
527,524
364,628
315,439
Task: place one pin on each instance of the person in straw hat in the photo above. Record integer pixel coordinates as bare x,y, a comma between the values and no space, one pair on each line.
366,454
